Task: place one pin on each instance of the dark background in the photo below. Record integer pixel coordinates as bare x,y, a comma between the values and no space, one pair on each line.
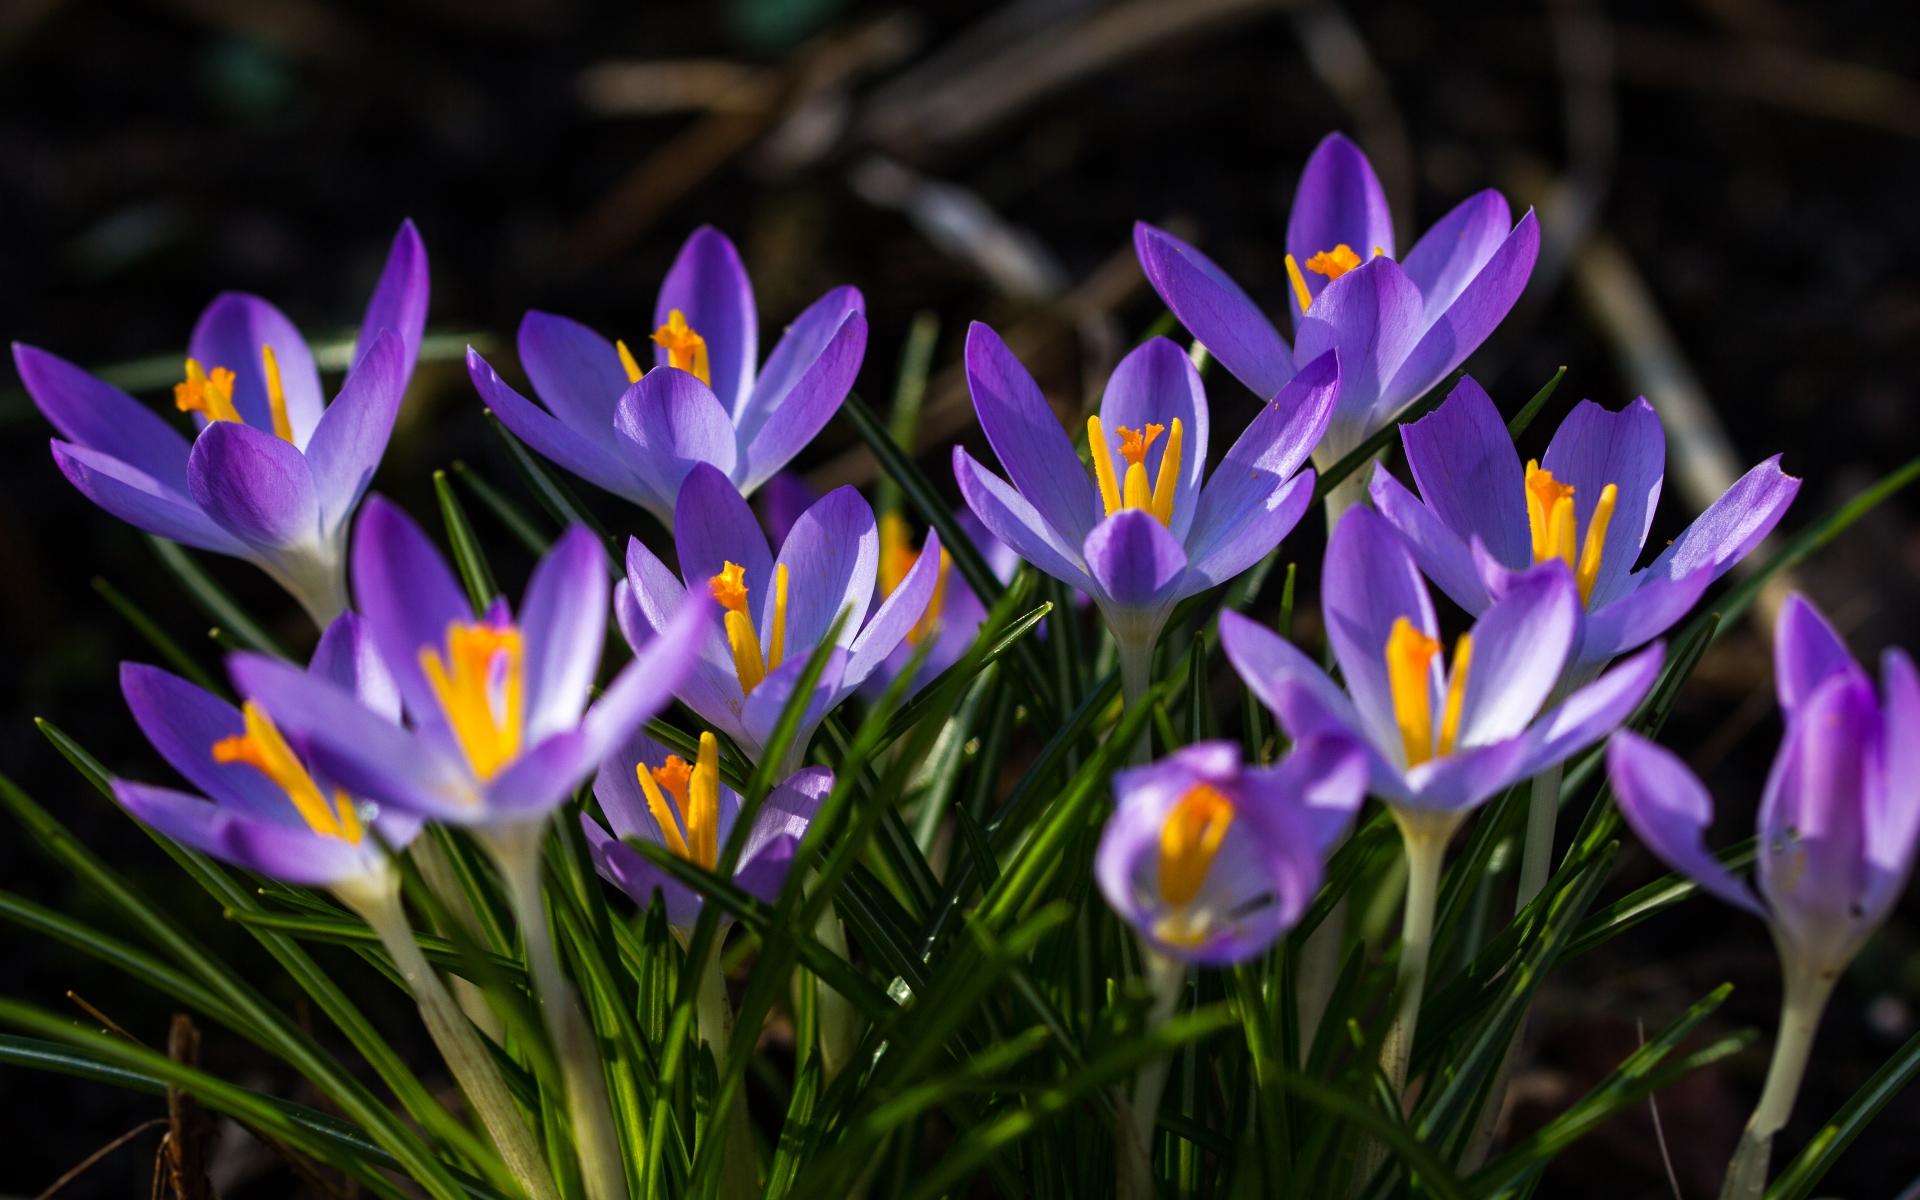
1755,159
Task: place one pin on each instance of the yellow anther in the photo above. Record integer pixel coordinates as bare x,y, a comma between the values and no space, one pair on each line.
897,554
729,587
482,693
1134,445
930,619
1103,467
262,748
1456,692
1189,838
1549,515
1169,477
276,395
1335,262
1300,291
207,393
685,349
1596,542
1135,493
777,641
703,808
1410,681
664,813
628,363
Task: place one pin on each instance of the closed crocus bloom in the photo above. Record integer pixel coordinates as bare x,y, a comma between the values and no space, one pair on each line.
1483,518
1139,532
1211,861
775,611
1400,325
274,472
1836,835
637,433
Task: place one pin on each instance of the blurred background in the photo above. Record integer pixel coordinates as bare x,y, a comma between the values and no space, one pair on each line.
1729,193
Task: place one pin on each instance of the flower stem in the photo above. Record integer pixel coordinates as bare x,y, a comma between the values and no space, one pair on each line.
1807,991
1136,676
739,1174
838,1020
377,900
1543,813
516,850
1134,1141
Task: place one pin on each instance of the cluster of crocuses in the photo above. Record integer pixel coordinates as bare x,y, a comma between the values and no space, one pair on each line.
423,705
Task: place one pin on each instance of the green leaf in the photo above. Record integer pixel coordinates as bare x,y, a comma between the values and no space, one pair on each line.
1532,408
212,599
157,637
468,557
554,496
1808,1167
1651,900
516,519
349,932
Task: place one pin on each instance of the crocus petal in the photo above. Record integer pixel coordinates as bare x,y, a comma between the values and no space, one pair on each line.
622,866
617,787
1371,315
558,442
1594,448
576,373
348,659
1669,811
1465,779
761,712
352,434
712,526
140,500
1812,867
230,334
1215,310
409,597
1442,555
1893,810
183,722
186,819
1519,646
1806,651
563,619
643,603
793,358
1449,255
297,856
1027,437
95,414
1370,581
1338,202
1157,384
667,424
1134,560
1734,524
832,559
1592,712
777,831
254,485
1475,313
1469,475
1324,777
807,407
1243,526
1007,514
709,286
897,614
646,685
399,301
1643,612
787,495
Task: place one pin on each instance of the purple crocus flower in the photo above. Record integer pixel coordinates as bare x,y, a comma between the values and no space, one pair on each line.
638,434
1209,860
1400,325
275,471
267,807
1482,519
953,616
776,610
1146,534
1836,834
651,795
1438,743
498,736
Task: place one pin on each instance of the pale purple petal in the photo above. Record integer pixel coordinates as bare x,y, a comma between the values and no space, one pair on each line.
1324,777
1643,612
1215,310
1370,581
1519,646
1893,809
1448,256
1669,811
409,597
563,619
1006,513
667,424
643,603
787,495
576,373
762,875
95,414
793,358
646,685
712,526
761,712
183,722
1339,202
1812,867
297,856
1157,384
197,824
1592,712
1469,475
1594,448
140,500
1467,778
1806,651
1023,431
1242,526
1371,315
898,613
833,560
399,301
1135,561
1442,555
352,435
348,659
622,866
709,286
255,486
1734,524
778,829
560,443
805,410
230,334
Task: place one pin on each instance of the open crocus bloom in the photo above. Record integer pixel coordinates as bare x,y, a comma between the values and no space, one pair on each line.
651,795
637,435
1482,519
776,611
1438,743
1210,861
1146,534
275,471
267,808
1841,808
1400,325
498,736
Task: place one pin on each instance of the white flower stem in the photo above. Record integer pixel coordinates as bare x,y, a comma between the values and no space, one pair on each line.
1543,814
1807,990
1347,493
516,850
838,1019
377,900
1140,1113
739,1172
1136,676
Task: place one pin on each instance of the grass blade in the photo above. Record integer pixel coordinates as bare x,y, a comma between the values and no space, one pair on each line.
212,599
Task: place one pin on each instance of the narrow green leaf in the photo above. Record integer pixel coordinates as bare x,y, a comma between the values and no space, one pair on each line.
1532,408
554,496
468,557
212,598
984,862
903,420
157,637
1813,1162
517,520
357,933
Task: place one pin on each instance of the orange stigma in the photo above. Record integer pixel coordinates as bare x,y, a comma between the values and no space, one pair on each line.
685,349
